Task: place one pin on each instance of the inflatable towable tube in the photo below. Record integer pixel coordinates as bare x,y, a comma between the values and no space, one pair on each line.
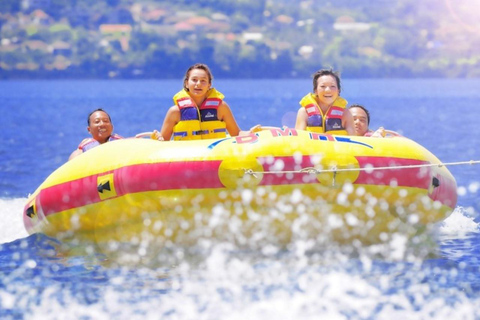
283,183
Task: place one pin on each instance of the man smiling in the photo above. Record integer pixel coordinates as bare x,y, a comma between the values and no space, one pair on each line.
100,127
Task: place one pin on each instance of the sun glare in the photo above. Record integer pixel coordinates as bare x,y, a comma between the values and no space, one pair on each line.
466,13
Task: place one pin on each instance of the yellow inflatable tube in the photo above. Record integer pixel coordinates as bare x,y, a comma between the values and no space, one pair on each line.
277,184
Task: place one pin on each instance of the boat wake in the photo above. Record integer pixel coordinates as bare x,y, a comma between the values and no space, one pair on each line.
11,224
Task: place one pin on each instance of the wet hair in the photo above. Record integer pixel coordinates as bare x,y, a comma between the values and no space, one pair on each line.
363,108
197,66
326,72
99,109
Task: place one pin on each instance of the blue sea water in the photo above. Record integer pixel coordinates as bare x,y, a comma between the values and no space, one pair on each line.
437,277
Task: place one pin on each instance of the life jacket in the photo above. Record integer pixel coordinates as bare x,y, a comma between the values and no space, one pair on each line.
90,143
199,122
331,122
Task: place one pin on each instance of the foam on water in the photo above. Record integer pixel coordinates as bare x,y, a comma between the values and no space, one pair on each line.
11,222
227,285
238,289
459,223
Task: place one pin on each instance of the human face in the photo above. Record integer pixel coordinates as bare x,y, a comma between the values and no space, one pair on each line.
100,126
198,82
360,121
327,90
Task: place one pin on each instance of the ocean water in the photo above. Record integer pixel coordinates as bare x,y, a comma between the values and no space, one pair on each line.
435,276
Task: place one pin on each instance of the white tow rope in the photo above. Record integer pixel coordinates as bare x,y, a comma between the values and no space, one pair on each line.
311,170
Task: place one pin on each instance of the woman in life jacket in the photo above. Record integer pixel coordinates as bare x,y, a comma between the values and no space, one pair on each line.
324,111
100,128
199,111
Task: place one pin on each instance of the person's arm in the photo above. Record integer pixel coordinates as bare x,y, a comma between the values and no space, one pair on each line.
171,119
379,133
301,122
75,153
225,114
347,122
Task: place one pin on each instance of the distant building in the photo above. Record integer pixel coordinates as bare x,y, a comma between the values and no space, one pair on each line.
30,66
39,17
185,14
34,45
60,63
116,29
252,36
155,16
218,26
61,48
119,32
183,27
220,17
347,23
8,47
196,23
32,4
305,51
284,19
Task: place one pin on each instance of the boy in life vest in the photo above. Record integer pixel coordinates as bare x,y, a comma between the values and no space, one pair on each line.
100,127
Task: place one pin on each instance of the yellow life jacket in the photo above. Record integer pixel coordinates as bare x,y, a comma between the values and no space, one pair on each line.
331,122
199,122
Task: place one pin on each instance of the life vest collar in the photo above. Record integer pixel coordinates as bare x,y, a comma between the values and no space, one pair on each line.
89,143
182,99
309,102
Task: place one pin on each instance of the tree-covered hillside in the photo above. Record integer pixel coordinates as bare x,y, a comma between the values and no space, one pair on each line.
238,38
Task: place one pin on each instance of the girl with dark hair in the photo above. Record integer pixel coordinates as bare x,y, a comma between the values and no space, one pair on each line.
324,111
